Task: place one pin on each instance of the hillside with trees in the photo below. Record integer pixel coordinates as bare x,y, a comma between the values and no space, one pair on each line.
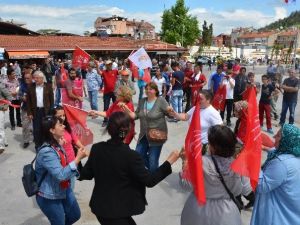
291,20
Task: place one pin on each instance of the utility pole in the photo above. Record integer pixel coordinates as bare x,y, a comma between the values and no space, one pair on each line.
296,46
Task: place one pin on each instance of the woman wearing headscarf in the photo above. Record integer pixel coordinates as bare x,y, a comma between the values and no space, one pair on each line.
278,190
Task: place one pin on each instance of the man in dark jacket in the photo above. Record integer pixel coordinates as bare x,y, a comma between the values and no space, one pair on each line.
40,101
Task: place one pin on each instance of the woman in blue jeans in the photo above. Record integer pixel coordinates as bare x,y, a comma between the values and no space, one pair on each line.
55,197
151,111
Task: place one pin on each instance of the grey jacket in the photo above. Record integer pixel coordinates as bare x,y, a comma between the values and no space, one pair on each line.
4,94
154,119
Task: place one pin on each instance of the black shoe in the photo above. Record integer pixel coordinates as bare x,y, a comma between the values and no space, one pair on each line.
13,128
228,124
19,125
1,151
25,145
6,145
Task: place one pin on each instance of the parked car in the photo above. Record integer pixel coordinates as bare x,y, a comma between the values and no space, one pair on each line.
203,59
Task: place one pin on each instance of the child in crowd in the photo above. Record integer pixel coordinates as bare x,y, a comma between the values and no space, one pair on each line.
265,103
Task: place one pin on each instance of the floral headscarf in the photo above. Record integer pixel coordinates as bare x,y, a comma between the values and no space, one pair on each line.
289,142
240,107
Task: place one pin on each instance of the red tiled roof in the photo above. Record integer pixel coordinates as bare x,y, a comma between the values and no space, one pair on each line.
256,34
288,33
68,43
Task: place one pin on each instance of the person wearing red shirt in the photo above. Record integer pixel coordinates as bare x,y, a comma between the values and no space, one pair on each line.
124,95
188,72
236,68
110,78
198,81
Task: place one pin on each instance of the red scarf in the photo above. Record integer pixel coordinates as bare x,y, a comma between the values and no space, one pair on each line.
63,161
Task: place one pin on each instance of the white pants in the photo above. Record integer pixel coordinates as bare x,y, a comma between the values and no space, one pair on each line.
3,140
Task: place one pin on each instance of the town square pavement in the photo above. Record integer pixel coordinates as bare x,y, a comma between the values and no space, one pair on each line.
165,200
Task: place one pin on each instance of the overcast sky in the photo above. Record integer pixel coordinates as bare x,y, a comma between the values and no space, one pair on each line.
78,16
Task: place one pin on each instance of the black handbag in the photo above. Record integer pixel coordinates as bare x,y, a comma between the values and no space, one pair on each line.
233,198
30,184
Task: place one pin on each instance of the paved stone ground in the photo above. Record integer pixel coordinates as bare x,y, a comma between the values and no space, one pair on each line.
166,200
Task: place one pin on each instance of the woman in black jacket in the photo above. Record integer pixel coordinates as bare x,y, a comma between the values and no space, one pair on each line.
120,175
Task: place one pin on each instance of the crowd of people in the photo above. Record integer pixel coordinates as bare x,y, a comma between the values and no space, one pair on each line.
35,96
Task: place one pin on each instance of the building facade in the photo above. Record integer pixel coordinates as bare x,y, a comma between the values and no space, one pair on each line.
121,26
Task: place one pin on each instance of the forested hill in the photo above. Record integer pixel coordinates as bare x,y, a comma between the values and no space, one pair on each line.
291,20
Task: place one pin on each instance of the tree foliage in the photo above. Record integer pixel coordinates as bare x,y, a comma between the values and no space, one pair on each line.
179,26
48,31
207,34
291,20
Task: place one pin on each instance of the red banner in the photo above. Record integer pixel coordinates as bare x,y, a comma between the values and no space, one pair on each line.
134,69
147,76
3,101
193,152
80,58
195,93
219,98
77,120
248,162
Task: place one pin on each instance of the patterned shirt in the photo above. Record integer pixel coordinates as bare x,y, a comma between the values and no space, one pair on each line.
93,81
12,86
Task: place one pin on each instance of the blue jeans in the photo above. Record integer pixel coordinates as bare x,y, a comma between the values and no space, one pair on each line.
141,92
93,97
285,107
176,100
150,154
57,97
60,211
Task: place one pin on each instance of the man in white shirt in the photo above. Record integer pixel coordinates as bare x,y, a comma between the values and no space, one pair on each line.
229,82
40,101
3,74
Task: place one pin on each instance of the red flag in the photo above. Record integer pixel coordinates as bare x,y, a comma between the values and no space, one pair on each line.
147,76
80,58
3,101
267,140
134,69
193,152
248,161
77,120
220,98
195,93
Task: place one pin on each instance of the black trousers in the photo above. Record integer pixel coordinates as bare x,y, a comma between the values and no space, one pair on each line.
117,221
228,107
106,101
37,127
187,93
12,114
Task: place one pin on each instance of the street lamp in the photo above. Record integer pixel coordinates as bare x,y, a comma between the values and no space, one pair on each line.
181,31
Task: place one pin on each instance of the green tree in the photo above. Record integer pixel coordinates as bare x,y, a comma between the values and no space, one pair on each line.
178,26
48,31
207,34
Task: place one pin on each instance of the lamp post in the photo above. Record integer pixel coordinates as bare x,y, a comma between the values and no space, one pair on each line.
295,50
182,30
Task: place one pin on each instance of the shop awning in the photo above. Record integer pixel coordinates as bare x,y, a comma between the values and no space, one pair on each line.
27,54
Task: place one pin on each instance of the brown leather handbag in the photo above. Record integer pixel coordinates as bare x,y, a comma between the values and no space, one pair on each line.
156,135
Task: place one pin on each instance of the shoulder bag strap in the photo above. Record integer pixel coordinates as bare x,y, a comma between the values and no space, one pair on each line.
225,186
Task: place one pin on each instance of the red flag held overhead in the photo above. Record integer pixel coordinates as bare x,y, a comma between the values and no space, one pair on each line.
80,58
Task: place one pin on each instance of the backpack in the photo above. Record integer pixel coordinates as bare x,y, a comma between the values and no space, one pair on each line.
30,184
